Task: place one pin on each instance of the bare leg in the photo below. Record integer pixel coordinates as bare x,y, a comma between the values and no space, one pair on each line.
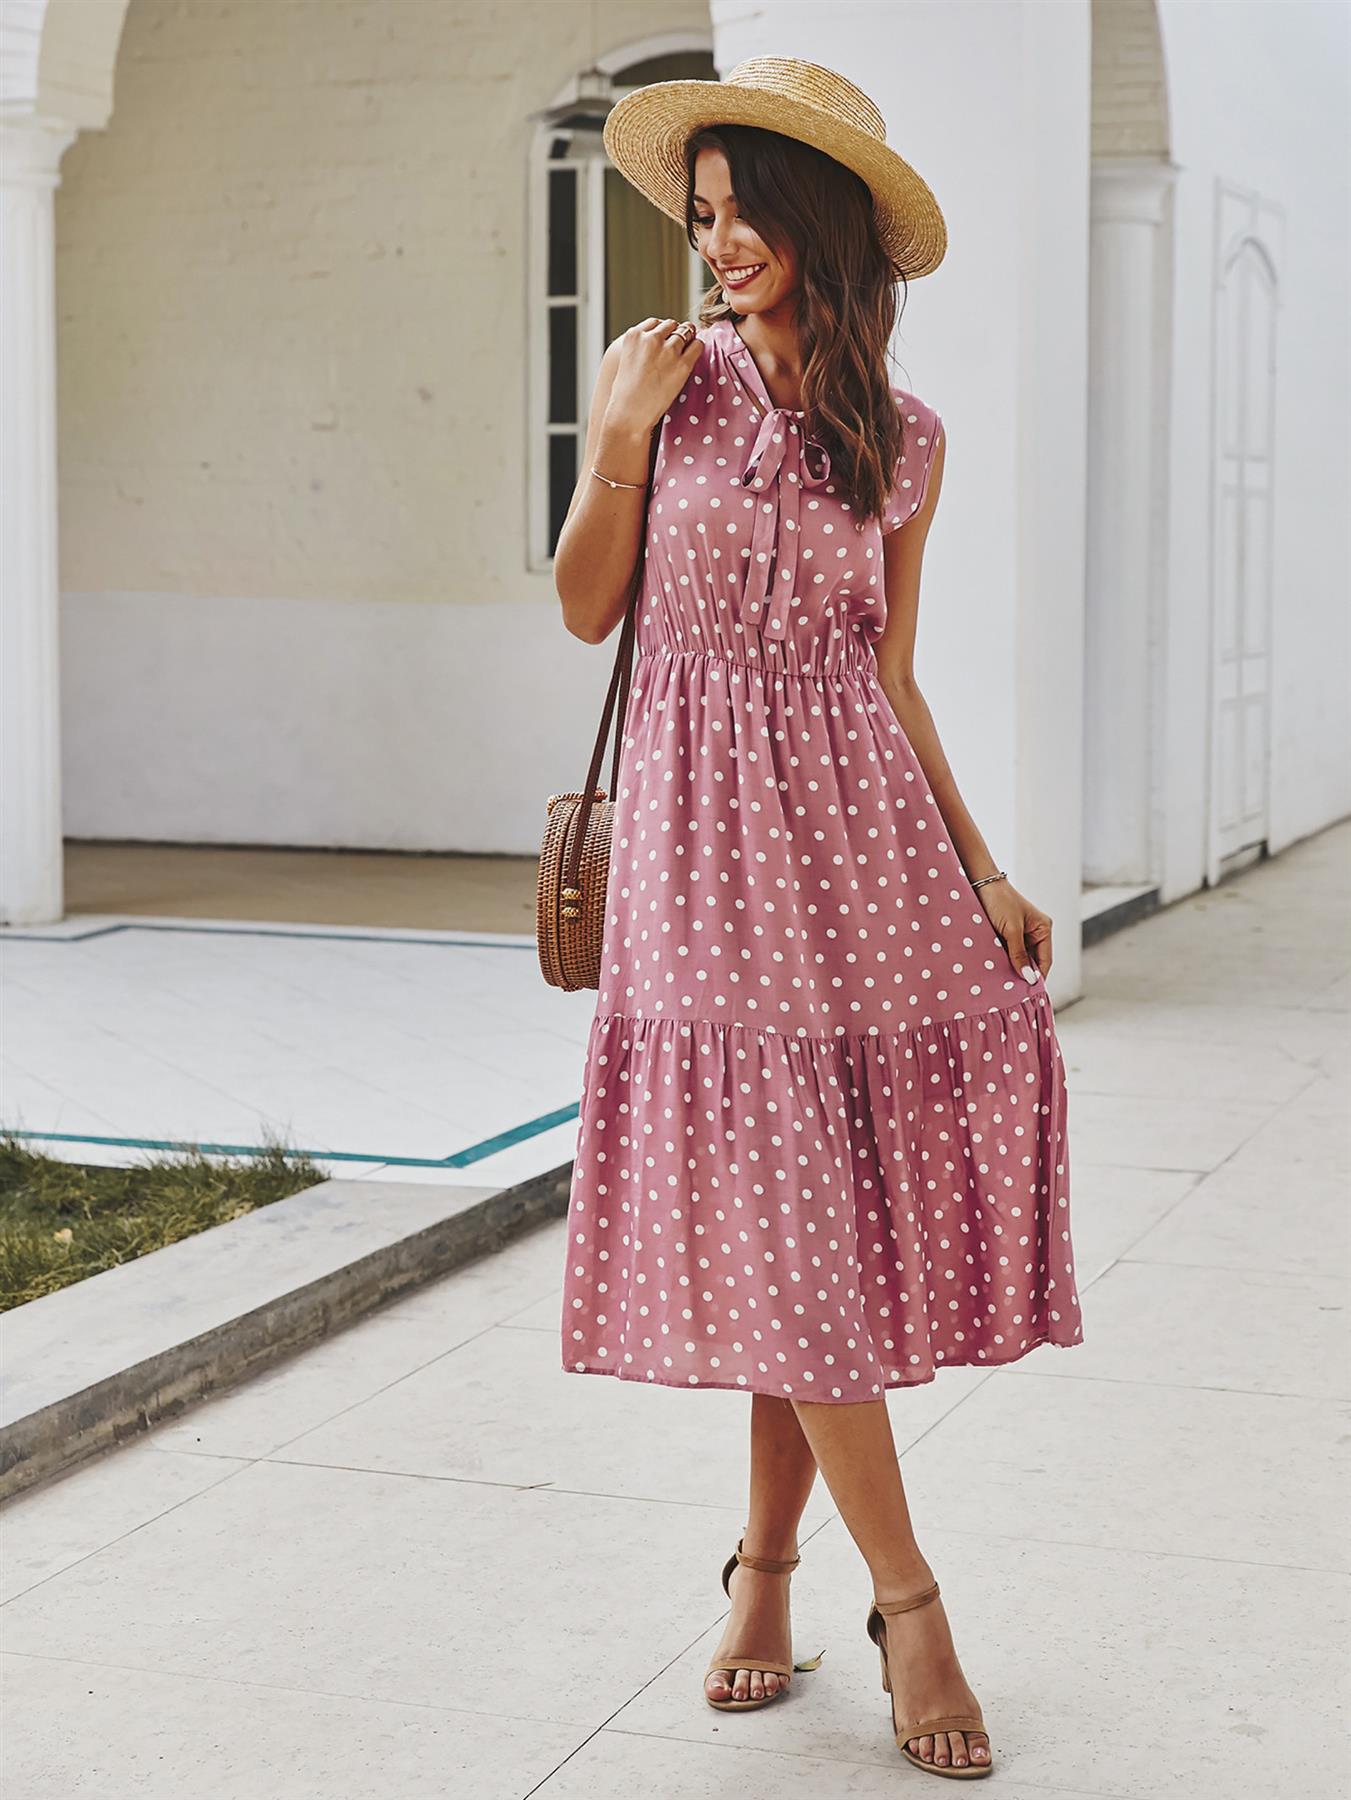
782,1472
856,1453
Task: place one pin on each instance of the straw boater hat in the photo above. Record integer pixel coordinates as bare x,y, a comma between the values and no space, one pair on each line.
646,130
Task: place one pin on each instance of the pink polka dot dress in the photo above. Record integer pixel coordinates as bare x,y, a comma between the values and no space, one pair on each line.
822,1142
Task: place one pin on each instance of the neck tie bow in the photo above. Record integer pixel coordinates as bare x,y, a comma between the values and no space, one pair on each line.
783,461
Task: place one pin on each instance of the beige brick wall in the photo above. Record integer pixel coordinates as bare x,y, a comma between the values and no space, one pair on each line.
1130,102
291,295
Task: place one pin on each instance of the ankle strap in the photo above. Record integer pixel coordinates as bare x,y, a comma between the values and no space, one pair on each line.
888,1607
766,1565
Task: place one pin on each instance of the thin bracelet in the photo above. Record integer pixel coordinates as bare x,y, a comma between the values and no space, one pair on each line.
1000,875
616,484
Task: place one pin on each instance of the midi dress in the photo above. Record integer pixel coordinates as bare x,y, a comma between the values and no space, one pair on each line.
821,1148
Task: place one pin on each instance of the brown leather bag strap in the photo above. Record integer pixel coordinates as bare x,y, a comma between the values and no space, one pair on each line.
616,698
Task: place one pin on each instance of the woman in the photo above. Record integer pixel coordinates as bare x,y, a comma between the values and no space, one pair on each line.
822,1140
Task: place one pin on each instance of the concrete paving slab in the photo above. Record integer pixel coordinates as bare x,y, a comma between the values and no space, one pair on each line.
1029,1452
1181,1326
448,1419
1136,1131
267,1411
580,1425
1111,1210
1101,1060
1225,1221
101,1360
159,1736
57,1525
614,1764
395,1588
1095,1669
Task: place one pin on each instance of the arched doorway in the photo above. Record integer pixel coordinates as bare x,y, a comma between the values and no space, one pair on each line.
1242,476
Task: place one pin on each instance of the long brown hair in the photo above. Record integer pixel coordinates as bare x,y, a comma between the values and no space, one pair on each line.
793,193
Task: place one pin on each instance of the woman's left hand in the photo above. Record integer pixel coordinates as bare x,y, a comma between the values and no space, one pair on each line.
1025,929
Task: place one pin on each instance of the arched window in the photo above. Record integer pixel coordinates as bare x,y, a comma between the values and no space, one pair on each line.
602,258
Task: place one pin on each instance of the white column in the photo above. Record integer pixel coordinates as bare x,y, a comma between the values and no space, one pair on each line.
30,737
1125,424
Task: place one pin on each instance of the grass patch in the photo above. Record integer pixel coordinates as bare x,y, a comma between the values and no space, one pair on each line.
60,1221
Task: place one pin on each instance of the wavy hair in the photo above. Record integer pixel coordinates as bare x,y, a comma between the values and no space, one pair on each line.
794,194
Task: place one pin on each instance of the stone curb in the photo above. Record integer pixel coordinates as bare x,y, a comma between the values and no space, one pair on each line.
97,1413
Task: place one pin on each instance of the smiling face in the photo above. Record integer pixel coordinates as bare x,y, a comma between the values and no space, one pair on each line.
755,278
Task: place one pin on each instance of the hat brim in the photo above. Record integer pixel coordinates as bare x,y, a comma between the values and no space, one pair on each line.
646,131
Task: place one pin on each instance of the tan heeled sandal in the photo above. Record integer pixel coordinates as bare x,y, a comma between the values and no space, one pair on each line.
730,1661
877,1630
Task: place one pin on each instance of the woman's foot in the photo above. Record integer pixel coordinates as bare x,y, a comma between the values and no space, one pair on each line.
926,1678
759,1616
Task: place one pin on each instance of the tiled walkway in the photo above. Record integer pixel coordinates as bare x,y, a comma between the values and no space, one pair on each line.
421,1561
382,1052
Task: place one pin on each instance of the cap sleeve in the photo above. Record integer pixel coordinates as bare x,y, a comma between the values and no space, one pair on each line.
920,426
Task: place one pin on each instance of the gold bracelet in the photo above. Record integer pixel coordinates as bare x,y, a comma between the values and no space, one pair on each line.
616,484
1000,875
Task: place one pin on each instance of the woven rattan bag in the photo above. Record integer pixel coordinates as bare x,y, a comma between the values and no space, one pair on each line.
574,864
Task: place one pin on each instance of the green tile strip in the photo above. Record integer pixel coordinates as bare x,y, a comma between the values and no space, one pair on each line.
277,931
460,1159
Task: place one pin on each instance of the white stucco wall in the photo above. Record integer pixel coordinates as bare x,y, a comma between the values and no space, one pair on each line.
291,286
1259,100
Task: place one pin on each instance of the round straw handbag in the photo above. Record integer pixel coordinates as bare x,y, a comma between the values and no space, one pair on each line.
574,864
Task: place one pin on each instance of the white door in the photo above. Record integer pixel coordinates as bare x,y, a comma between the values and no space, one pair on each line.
1245,343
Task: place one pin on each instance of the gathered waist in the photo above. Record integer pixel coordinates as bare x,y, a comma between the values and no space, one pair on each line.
857,659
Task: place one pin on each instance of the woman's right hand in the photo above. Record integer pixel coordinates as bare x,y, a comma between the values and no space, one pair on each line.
653,367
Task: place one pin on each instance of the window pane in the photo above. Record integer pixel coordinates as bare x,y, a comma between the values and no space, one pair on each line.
562,480
562,365
562,231
647,260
